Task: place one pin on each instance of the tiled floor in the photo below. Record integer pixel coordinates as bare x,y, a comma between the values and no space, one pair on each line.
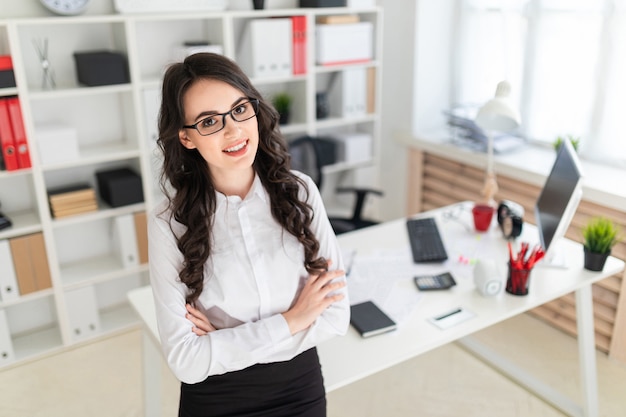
104,379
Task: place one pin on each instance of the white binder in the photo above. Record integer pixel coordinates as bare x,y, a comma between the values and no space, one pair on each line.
8,281
82,313
125,240
7,355
348,93
266,48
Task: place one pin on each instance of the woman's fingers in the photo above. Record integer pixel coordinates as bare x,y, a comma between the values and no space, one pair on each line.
201,323
324,285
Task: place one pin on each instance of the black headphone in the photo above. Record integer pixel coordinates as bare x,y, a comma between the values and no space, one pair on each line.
510,219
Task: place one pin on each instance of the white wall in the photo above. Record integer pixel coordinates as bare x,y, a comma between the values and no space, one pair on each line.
433,63
397,101
416,85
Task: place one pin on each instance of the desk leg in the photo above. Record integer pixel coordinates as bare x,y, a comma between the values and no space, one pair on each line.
521,377
587,351
151,375
586,356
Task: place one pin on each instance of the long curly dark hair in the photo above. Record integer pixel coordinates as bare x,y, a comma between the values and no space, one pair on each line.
192,193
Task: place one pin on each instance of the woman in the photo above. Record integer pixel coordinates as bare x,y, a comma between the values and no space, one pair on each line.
244,265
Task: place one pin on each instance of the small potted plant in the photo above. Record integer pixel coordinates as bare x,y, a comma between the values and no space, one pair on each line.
282,104
600,235
559,140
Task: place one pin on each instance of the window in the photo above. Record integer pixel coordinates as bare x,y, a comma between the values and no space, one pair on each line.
565,60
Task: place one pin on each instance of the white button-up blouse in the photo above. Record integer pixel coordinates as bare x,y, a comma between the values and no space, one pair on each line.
254,273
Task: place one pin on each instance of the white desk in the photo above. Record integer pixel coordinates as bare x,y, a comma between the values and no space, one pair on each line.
350,358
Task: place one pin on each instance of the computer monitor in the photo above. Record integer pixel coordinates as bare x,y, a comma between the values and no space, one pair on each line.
558,202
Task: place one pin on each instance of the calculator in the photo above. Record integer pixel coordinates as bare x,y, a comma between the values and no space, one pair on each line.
435,282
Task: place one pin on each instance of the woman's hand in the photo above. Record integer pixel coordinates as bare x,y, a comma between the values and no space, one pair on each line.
201,324
314,299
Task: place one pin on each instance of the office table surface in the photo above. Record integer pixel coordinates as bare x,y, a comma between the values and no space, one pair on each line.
350,358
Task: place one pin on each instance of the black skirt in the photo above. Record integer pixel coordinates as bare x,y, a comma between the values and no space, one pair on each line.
283,389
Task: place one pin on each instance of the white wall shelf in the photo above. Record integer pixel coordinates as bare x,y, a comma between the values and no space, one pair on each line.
36,343
115,127
24,222
97,269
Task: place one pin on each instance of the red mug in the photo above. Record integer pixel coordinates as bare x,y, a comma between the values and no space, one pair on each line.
482,213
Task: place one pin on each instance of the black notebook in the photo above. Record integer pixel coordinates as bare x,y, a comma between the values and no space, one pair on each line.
369,320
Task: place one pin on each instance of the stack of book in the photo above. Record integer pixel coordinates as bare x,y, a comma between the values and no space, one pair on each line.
72,200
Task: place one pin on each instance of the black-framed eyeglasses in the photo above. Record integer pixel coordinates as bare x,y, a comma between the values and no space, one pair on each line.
214,123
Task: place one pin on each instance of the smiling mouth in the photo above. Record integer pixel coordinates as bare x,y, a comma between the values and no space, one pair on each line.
237,147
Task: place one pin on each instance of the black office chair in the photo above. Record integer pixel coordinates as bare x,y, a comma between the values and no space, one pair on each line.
309,155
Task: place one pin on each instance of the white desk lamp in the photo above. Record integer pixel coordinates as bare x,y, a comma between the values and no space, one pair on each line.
499,114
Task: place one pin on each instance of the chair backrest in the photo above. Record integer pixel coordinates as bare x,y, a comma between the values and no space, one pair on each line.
304,158
309,154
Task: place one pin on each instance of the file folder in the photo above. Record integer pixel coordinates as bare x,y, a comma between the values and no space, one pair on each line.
348,93
266,48
19,133
8,281
125,239
7,142
299,44
31,263
7,355
141,230
82,313
22,262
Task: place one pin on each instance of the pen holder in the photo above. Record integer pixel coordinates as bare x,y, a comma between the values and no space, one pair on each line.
517,281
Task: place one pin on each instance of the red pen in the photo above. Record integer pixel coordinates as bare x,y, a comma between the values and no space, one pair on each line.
536,255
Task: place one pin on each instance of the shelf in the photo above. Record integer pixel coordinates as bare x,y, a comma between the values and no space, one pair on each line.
14,174
103,213
37,343
275,80
321,69
100,153
346,166
28,297
71,20
340,121
115,126
24,223
12,91
121,317
290,128
78,91
94,270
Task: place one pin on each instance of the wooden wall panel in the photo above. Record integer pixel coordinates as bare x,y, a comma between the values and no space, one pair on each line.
443,182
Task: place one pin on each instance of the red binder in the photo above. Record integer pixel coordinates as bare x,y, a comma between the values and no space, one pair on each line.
6,138
19,134
298,24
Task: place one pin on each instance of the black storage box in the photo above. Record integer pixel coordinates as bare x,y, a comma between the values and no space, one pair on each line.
101,68
322,3
7,78
119,187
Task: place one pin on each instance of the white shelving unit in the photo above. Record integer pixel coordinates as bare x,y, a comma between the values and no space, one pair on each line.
115,127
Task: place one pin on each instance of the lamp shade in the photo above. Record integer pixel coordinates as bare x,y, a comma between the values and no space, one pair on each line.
499,113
